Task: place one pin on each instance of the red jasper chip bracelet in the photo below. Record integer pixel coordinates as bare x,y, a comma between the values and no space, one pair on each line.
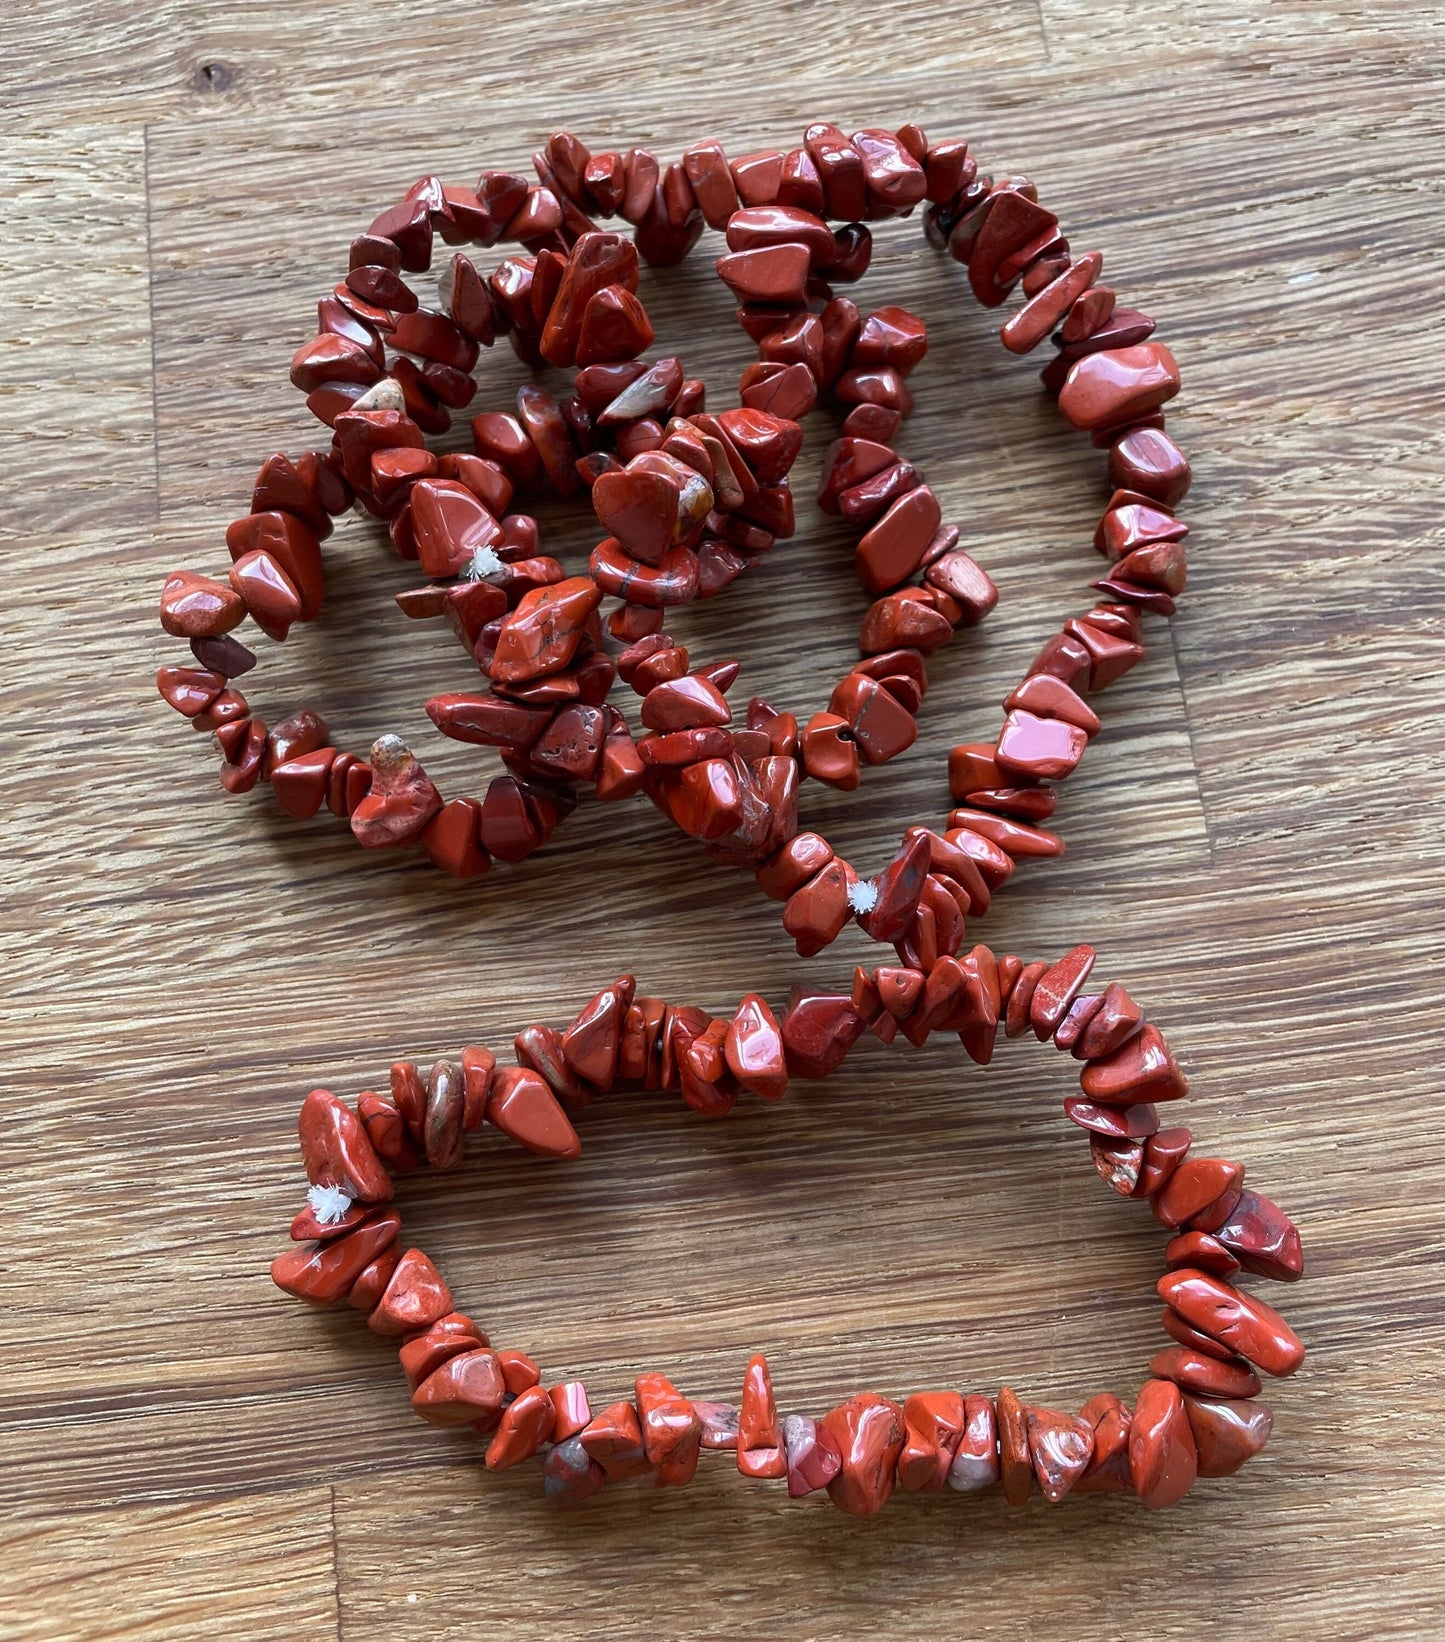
1197,1414
691,500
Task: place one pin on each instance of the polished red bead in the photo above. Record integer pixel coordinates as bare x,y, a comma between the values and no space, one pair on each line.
526,1424
1033,322
1148,460
818,1031
1108,1469
449,525
893,176
768,444
421,1354
1060,1448
688,703
840,168
400,802
653,504
674,580
522,1106
1201,1249
1163,1460
324,1273
1015,1463
452,838
1116,1020
1141,1068
190,690
894,548
1056,990
1227,1432
1207,1375
1031,748
898,888
975,1464
612,1439
1011,222
904,618
890,336
816,913
571,1408
813,1456
1240,1321
1162,1156
569,1475
758,176
591,1043
387,1130
966,582
934,1424
1117,384
879,725
542,634
760,1448
775,273
269,593
757,227
415,1297
194,606
803,856
597,260
1262,1238
671,1430
1050,697
847,463
1194,1187
868,1432
615,326
336,1150
1114,1122
290,543
754,1049
466,1389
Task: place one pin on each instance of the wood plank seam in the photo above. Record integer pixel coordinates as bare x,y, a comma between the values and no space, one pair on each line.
151,310
335,1560
1204,809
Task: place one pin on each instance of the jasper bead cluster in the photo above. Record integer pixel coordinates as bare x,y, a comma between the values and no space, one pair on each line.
690,501
1198,1414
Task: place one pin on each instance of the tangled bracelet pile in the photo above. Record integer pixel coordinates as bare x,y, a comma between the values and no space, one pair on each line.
692,500
1196,1416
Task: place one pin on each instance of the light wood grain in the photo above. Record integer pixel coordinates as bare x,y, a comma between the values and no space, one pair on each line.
1253,845
257,1566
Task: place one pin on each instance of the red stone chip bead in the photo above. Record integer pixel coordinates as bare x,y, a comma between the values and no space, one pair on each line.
1196,1415
760,1447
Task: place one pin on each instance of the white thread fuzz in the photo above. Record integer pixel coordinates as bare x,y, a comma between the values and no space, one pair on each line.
328,1203
863,896
483,563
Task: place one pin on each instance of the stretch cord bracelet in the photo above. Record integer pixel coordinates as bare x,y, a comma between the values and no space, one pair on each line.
1195,1416
537,633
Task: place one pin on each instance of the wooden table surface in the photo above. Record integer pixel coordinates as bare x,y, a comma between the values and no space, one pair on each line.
1254,845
